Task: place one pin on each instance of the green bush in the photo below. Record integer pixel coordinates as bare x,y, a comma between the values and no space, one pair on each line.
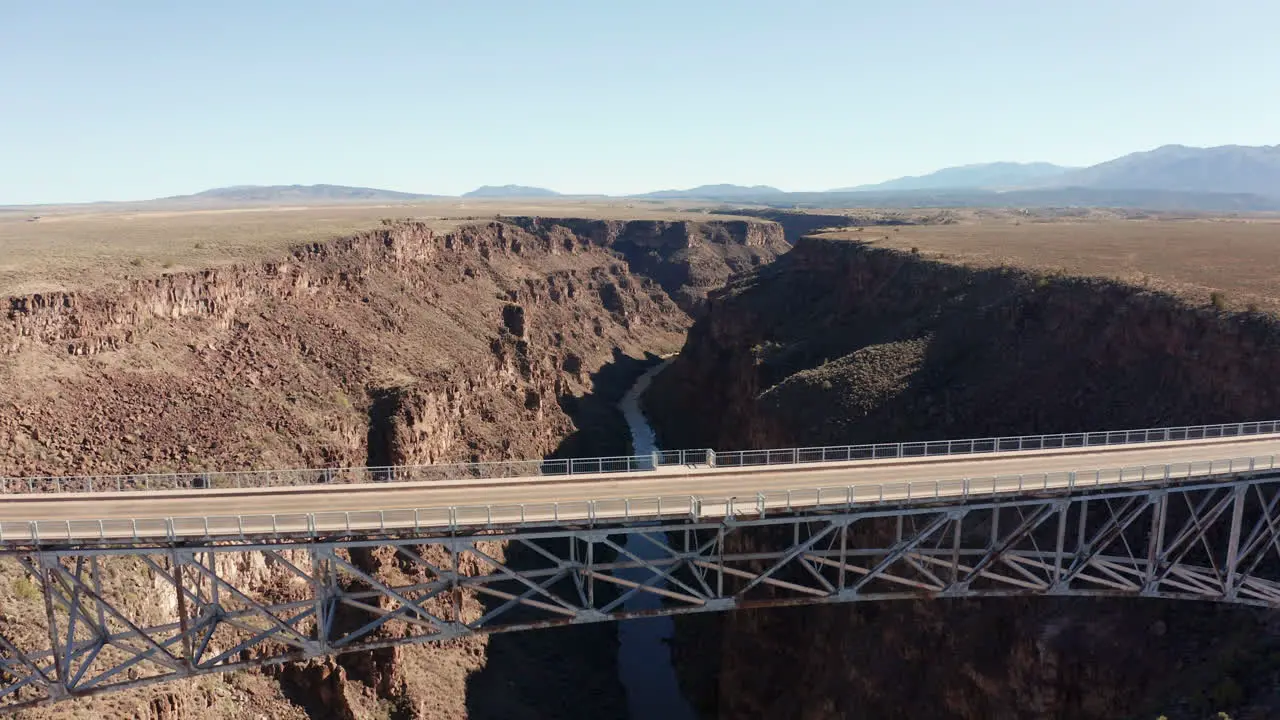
24,589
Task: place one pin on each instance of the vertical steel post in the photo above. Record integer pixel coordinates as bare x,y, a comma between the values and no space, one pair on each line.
1155,546
1233,544
177,566
324,585
591,579
46,564
1063,509
455,581
955,549
576,569
97,589
844,545
720,561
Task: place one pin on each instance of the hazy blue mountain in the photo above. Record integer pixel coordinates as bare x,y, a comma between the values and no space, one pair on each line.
1135,199
714,192
295,193
995,175
510,191
1229,178
1224,169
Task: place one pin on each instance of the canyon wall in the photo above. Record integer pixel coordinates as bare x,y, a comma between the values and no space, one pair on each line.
395,346
841,342
687,258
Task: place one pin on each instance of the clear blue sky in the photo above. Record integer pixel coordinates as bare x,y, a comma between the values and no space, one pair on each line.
131,99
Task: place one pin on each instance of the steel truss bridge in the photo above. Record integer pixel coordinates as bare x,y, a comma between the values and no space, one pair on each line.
118,604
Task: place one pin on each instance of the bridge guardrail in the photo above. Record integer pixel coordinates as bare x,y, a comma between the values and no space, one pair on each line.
613,510
324,476
880,451
624,463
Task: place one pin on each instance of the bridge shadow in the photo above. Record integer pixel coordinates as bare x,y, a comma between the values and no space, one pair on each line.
571,671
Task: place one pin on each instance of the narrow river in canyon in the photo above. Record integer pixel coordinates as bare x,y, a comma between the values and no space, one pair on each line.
644,656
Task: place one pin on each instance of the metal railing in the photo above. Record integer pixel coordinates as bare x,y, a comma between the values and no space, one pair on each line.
616,510
620,464
880,451
343,476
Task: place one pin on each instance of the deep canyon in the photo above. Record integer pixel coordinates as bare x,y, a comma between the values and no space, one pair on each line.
842,342
518,338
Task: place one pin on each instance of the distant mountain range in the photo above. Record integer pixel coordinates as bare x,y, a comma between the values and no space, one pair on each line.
996,175
1157,200
295,193
510,191
1231,178
722,191
1176,168
1229,169
1173,177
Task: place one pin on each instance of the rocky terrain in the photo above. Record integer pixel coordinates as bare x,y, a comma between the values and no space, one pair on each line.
687,258
842,342
393,346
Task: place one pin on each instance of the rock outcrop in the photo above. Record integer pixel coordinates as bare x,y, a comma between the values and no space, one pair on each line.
688,259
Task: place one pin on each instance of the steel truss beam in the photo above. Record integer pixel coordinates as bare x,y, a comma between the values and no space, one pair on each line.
119,617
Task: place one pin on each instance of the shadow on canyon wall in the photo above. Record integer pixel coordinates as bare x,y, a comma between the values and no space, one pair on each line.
563,672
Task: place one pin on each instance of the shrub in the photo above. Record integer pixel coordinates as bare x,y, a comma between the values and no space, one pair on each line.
24,589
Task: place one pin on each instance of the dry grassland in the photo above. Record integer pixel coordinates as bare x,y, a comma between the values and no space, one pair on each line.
90,246
1233,262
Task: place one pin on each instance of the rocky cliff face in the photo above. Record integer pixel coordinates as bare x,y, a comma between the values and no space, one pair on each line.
797,224
687,258
395,346
839,342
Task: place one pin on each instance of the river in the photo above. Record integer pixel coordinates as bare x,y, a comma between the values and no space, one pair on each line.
644,655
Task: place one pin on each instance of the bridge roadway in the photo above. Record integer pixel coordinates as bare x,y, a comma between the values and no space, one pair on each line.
612,496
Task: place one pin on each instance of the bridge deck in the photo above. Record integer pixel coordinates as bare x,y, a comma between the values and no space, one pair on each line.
704,492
